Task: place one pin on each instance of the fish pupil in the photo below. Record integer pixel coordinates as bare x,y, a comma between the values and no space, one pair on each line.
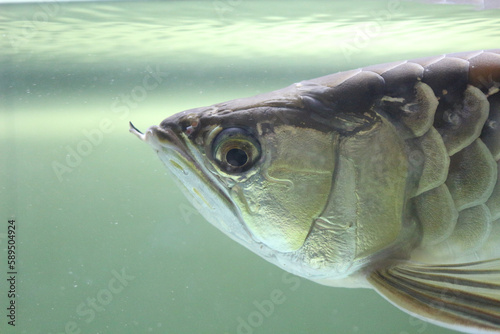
236,157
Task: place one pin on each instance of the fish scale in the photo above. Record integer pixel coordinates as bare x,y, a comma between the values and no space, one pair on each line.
456,118
447,109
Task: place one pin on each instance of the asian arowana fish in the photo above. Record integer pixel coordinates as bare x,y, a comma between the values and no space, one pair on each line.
385,177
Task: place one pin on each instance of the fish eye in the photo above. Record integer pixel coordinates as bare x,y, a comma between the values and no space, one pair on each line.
235,150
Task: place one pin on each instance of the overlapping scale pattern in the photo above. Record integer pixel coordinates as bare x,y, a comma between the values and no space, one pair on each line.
450,119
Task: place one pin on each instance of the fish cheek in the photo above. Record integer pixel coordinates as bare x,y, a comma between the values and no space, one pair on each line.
280,203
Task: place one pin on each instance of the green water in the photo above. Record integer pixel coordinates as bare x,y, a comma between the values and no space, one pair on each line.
105,243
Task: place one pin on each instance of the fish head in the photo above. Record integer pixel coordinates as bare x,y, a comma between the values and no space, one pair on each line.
249,170
264,171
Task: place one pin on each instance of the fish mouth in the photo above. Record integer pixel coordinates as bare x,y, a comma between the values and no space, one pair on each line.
198,183
159,138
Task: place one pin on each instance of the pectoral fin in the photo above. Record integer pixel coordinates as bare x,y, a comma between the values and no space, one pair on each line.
463,297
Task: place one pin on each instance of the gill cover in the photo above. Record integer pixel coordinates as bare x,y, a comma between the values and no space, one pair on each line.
280,179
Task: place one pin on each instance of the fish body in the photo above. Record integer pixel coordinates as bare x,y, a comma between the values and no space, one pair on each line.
384,177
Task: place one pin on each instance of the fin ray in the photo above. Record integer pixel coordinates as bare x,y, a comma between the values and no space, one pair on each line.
463,297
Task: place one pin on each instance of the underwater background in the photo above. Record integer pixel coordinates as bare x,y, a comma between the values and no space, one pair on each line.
104,241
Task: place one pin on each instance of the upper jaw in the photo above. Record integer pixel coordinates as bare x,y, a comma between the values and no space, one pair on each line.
159,138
